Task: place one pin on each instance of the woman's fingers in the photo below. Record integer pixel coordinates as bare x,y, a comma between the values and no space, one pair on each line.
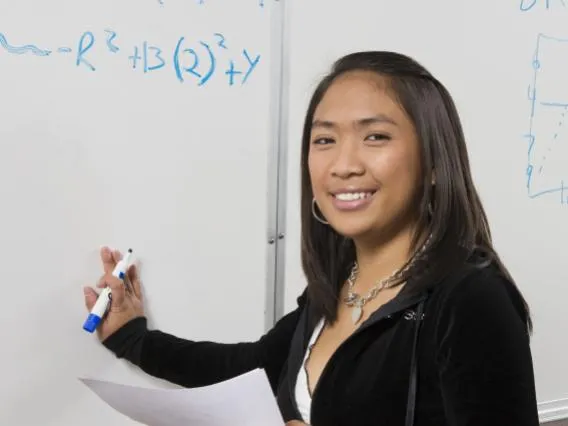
118,291
108,260
134,281
116,256
101,283
90,297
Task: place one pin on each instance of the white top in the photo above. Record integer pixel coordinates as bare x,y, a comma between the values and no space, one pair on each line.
303,397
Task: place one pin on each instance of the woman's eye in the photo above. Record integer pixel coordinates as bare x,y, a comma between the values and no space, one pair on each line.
377,137
322,141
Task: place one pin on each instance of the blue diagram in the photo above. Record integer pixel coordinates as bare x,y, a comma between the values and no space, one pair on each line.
547,171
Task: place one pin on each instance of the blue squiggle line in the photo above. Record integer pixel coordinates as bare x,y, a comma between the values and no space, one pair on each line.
22,49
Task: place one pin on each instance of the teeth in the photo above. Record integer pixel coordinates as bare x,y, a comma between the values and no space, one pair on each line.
351,196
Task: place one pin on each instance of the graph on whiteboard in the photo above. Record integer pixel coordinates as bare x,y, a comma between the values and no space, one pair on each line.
547,171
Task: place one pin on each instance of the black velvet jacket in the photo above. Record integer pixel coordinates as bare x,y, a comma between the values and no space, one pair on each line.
474,365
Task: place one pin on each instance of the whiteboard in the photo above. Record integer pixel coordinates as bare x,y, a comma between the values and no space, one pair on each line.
484,53
135,123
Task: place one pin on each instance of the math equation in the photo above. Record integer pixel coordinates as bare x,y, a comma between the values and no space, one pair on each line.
187,60
548,119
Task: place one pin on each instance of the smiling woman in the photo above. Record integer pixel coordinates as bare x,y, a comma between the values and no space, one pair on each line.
364,159
409,317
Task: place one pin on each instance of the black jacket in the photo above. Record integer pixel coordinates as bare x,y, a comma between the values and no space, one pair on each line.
474,365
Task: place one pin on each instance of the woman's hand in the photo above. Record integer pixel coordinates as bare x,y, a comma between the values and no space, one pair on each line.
126,301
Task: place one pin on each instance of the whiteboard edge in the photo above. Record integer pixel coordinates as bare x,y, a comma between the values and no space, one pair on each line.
283,137
276,169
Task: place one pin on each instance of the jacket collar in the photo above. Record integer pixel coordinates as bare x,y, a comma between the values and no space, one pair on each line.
308,321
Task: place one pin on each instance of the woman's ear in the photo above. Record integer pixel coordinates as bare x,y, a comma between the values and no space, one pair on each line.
433,177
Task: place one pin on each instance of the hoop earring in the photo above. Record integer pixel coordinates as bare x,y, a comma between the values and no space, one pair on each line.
314,213
430,209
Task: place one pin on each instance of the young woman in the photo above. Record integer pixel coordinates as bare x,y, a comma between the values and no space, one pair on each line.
409,317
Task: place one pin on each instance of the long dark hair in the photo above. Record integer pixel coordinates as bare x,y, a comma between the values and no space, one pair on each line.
457,223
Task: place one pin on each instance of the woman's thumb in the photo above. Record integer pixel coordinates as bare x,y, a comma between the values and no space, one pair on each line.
90,297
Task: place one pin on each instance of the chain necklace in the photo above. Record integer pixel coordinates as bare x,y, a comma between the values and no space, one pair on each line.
357,302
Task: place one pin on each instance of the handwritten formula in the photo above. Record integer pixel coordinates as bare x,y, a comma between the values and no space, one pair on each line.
186,60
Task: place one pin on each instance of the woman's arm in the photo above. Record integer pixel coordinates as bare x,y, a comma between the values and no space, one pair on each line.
484,357
191,364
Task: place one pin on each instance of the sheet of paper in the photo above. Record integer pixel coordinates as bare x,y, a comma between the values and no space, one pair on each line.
244,400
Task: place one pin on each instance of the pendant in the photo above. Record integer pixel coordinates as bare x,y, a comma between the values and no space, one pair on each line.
356,314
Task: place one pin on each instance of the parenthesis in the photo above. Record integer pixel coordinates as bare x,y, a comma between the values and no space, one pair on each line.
177,67
207,76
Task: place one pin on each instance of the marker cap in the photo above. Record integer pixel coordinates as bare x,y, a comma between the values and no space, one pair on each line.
122,266
91,323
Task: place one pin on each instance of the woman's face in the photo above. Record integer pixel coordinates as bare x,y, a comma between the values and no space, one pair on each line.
364,158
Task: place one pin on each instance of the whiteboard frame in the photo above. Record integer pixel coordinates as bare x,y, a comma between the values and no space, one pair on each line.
277,169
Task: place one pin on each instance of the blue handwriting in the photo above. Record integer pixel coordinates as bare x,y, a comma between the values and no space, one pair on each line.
546,110
195,60
111,46
19,50
86,42
526,5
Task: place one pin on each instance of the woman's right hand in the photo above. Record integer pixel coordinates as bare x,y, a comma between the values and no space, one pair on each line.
126,303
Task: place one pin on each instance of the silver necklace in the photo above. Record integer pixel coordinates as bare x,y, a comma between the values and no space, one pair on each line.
357,302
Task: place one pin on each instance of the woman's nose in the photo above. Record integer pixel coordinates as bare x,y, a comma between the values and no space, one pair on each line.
347,161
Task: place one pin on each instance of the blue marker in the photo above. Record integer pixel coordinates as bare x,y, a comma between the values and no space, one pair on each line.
101,305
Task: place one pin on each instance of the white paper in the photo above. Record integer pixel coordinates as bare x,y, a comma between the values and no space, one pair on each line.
244,400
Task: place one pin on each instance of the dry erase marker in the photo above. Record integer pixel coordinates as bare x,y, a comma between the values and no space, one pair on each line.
103,300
